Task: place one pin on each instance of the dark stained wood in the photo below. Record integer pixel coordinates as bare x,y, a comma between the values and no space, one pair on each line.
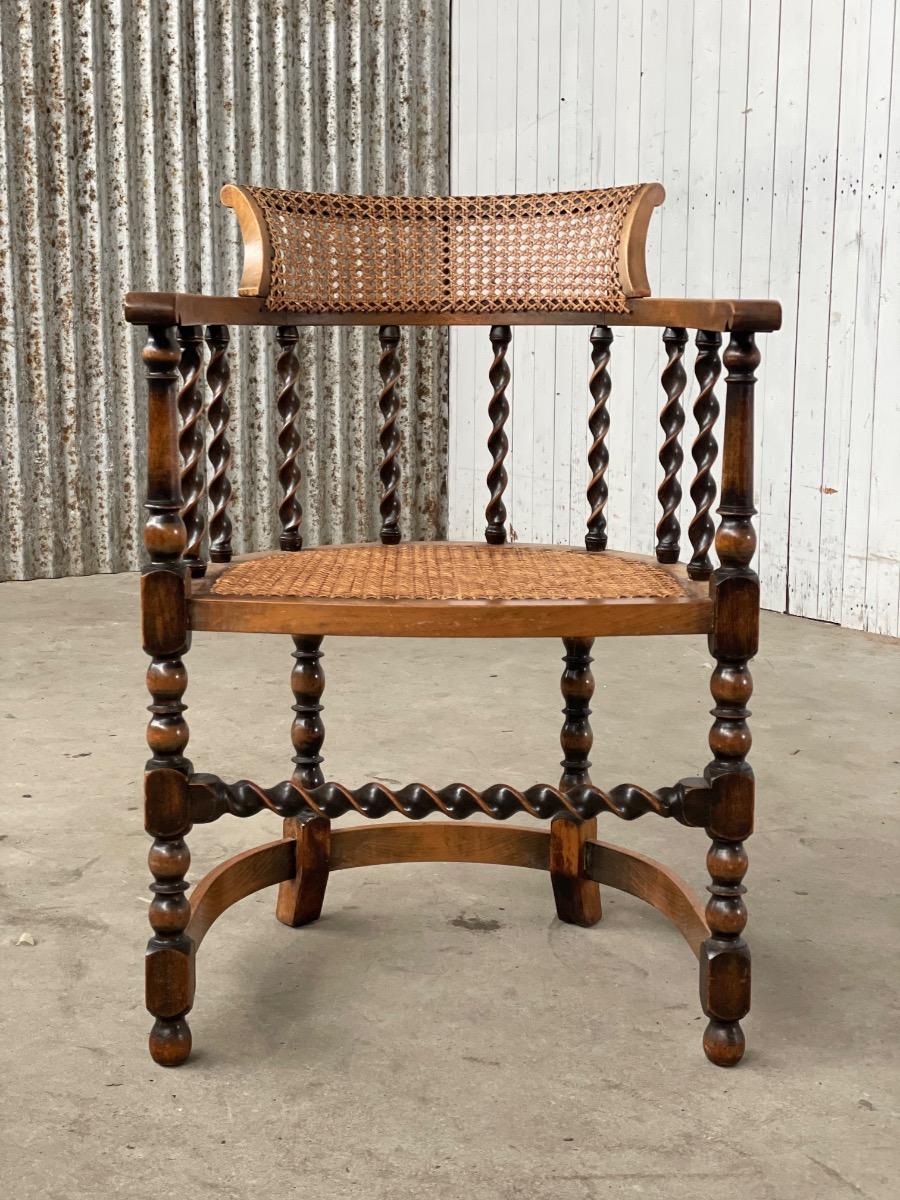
290,511
577,899
190,411
723,603
671,456
498,443
761,316
389,438
218,376
300,901
576,737
725,956
707,369
169,960
600,387
211,797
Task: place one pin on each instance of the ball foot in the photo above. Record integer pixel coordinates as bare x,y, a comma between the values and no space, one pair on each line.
170,1042
723,1043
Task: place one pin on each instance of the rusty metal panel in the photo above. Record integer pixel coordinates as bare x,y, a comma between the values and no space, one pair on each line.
118,125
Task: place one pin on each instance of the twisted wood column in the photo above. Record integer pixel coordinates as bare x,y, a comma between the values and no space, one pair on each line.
389,438
290,512
498,443
671,456
687,801
725,957
598,423
577,898
300,899
190,441
707,369
169,960
218,376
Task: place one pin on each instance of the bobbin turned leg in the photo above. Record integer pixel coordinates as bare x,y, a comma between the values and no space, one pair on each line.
577,898
300,899
169,963
724,956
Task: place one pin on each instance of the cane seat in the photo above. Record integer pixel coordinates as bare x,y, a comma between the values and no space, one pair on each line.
478,587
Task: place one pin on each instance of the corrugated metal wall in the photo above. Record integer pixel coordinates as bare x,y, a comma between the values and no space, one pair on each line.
120,121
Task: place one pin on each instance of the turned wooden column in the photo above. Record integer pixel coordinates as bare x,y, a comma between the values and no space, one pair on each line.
671,455
290,510
190,440
498,442
300,899
725,957
701,530
600,387
218,413
164,583
577,898
389,436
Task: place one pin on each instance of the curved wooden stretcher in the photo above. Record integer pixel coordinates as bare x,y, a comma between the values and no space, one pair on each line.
278,862
571,258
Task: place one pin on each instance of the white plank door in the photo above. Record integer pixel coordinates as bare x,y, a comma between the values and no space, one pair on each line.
773,129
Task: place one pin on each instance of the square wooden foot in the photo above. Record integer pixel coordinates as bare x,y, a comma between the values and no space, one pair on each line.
577,898
300,899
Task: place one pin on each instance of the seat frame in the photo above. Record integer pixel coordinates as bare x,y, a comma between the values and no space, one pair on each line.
177,597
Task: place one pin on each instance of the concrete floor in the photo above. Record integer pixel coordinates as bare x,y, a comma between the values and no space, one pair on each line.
439,1034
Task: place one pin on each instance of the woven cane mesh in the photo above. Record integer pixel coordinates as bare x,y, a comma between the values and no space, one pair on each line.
530,253
446,571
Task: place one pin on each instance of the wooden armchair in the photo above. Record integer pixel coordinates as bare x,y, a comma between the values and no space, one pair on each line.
575,258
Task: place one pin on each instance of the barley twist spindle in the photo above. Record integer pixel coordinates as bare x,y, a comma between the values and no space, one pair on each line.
290,512
389,438
707,369
218,376
190,442
169,962
598,422
498,443
725,956
671,456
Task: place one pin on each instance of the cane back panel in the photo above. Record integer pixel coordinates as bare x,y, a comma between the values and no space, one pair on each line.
567,251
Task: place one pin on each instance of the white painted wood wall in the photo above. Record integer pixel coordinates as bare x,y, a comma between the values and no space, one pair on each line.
773,129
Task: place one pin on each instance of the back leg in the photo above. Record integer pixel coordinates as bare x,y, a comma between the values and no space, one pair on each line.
300,899
577,899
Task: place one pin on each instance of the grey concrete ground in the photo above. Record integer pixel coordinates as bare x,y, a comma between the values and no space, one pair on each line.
439,1034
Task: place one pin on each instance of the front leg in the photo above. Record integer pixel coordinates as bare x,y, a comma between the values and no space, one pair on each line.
725,956
169,964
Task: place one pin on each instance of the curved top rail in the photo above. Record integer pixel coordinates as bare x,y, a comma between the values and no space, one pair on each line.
557,252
